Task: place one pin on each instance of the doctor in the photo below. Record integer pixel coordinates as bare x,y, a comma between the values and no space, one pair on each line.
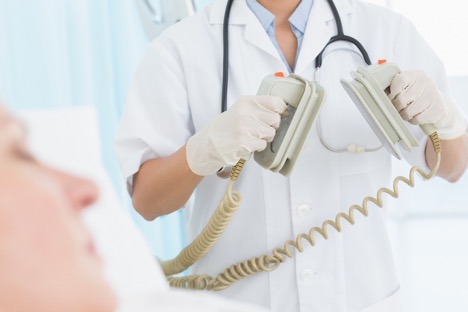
173,139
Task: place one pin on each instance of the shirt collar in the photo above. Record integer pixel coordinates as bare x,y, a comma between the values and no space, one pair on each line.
298,19
300,16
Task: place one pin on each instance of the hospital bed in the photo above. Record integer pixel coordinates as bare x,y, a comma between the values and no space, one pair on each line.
67,139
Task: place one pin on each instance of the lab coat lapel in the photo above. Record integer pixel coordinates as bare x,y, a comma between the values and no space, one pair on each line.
255,34
241,15
320,28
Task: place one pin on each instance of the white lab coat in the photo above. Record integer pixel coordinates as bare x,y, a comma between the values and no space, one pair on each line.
177,91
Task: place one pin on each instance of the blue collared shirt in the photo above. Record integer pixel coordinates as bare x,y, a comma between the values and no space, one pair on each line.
298,22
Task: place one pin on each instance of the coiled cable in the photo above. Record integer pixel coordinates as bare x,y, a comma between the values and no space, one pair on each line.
270,262
212,231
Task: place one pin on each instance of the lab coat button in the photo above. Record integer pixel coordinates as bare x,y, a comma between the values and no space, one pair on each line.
303,211
307,275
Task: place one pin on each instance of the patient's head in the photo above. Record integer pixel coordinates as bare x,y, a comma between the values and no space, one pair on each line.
47,260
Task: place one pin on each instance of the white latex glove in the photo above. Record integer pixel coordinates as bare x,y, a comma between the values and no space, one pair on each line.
418,100
244,128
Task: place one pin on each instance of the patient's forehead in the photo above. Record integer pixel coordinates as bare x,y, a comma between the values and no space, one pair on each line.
12,132
5,116
3,112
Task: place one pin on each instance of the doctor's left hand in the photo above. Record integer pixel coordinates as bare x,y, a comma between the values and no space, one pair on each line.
418,101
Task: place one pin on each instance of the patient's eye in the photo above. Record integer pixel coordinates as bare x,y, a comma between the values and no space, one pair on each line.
23,154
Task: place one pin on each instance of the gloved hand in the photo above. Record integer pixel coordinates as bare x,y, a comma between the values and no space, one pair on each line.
418,100
244,128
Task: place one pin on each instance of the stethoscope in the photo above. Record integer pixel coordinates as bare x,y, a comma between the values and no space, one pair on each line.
318,63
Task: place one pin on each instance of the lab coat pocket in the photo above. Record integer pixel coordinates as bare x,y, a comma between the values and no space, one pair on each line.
392,303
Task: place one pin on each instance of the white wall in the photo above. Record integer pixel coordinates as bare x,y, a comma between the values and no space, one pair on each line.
444,24
429,225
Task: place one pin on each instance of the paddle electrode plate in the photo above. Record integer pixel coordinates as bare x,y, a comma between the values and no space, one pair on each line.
303,99
367,90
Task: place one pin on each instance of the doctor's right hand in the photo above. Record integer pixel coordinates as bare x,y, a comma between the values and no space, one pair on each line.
244,128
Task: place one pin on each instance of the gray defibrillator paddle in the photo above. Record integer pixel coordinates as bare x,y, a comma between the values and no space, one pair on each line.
303,99
367,90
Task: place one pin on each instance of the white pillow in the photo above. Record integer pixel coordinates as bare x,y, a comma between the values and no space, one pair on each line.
68,139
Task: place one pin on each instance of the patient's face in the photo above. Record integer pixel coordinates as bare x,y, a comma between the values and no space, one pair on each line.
47,261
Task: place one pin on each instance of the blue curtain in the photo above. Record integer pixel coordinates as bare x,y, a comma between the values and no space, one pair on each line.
200,4
56,53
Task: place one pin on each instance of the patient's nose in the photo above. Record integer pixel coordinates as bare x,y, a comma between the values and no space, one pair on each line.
82,192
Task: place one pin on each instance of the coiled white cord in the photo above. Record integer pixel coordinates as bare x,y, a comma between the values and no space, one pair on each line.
270,262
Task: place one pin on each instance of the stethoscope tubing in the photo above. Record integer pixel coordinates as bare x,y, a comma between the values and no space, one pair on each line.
318,60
